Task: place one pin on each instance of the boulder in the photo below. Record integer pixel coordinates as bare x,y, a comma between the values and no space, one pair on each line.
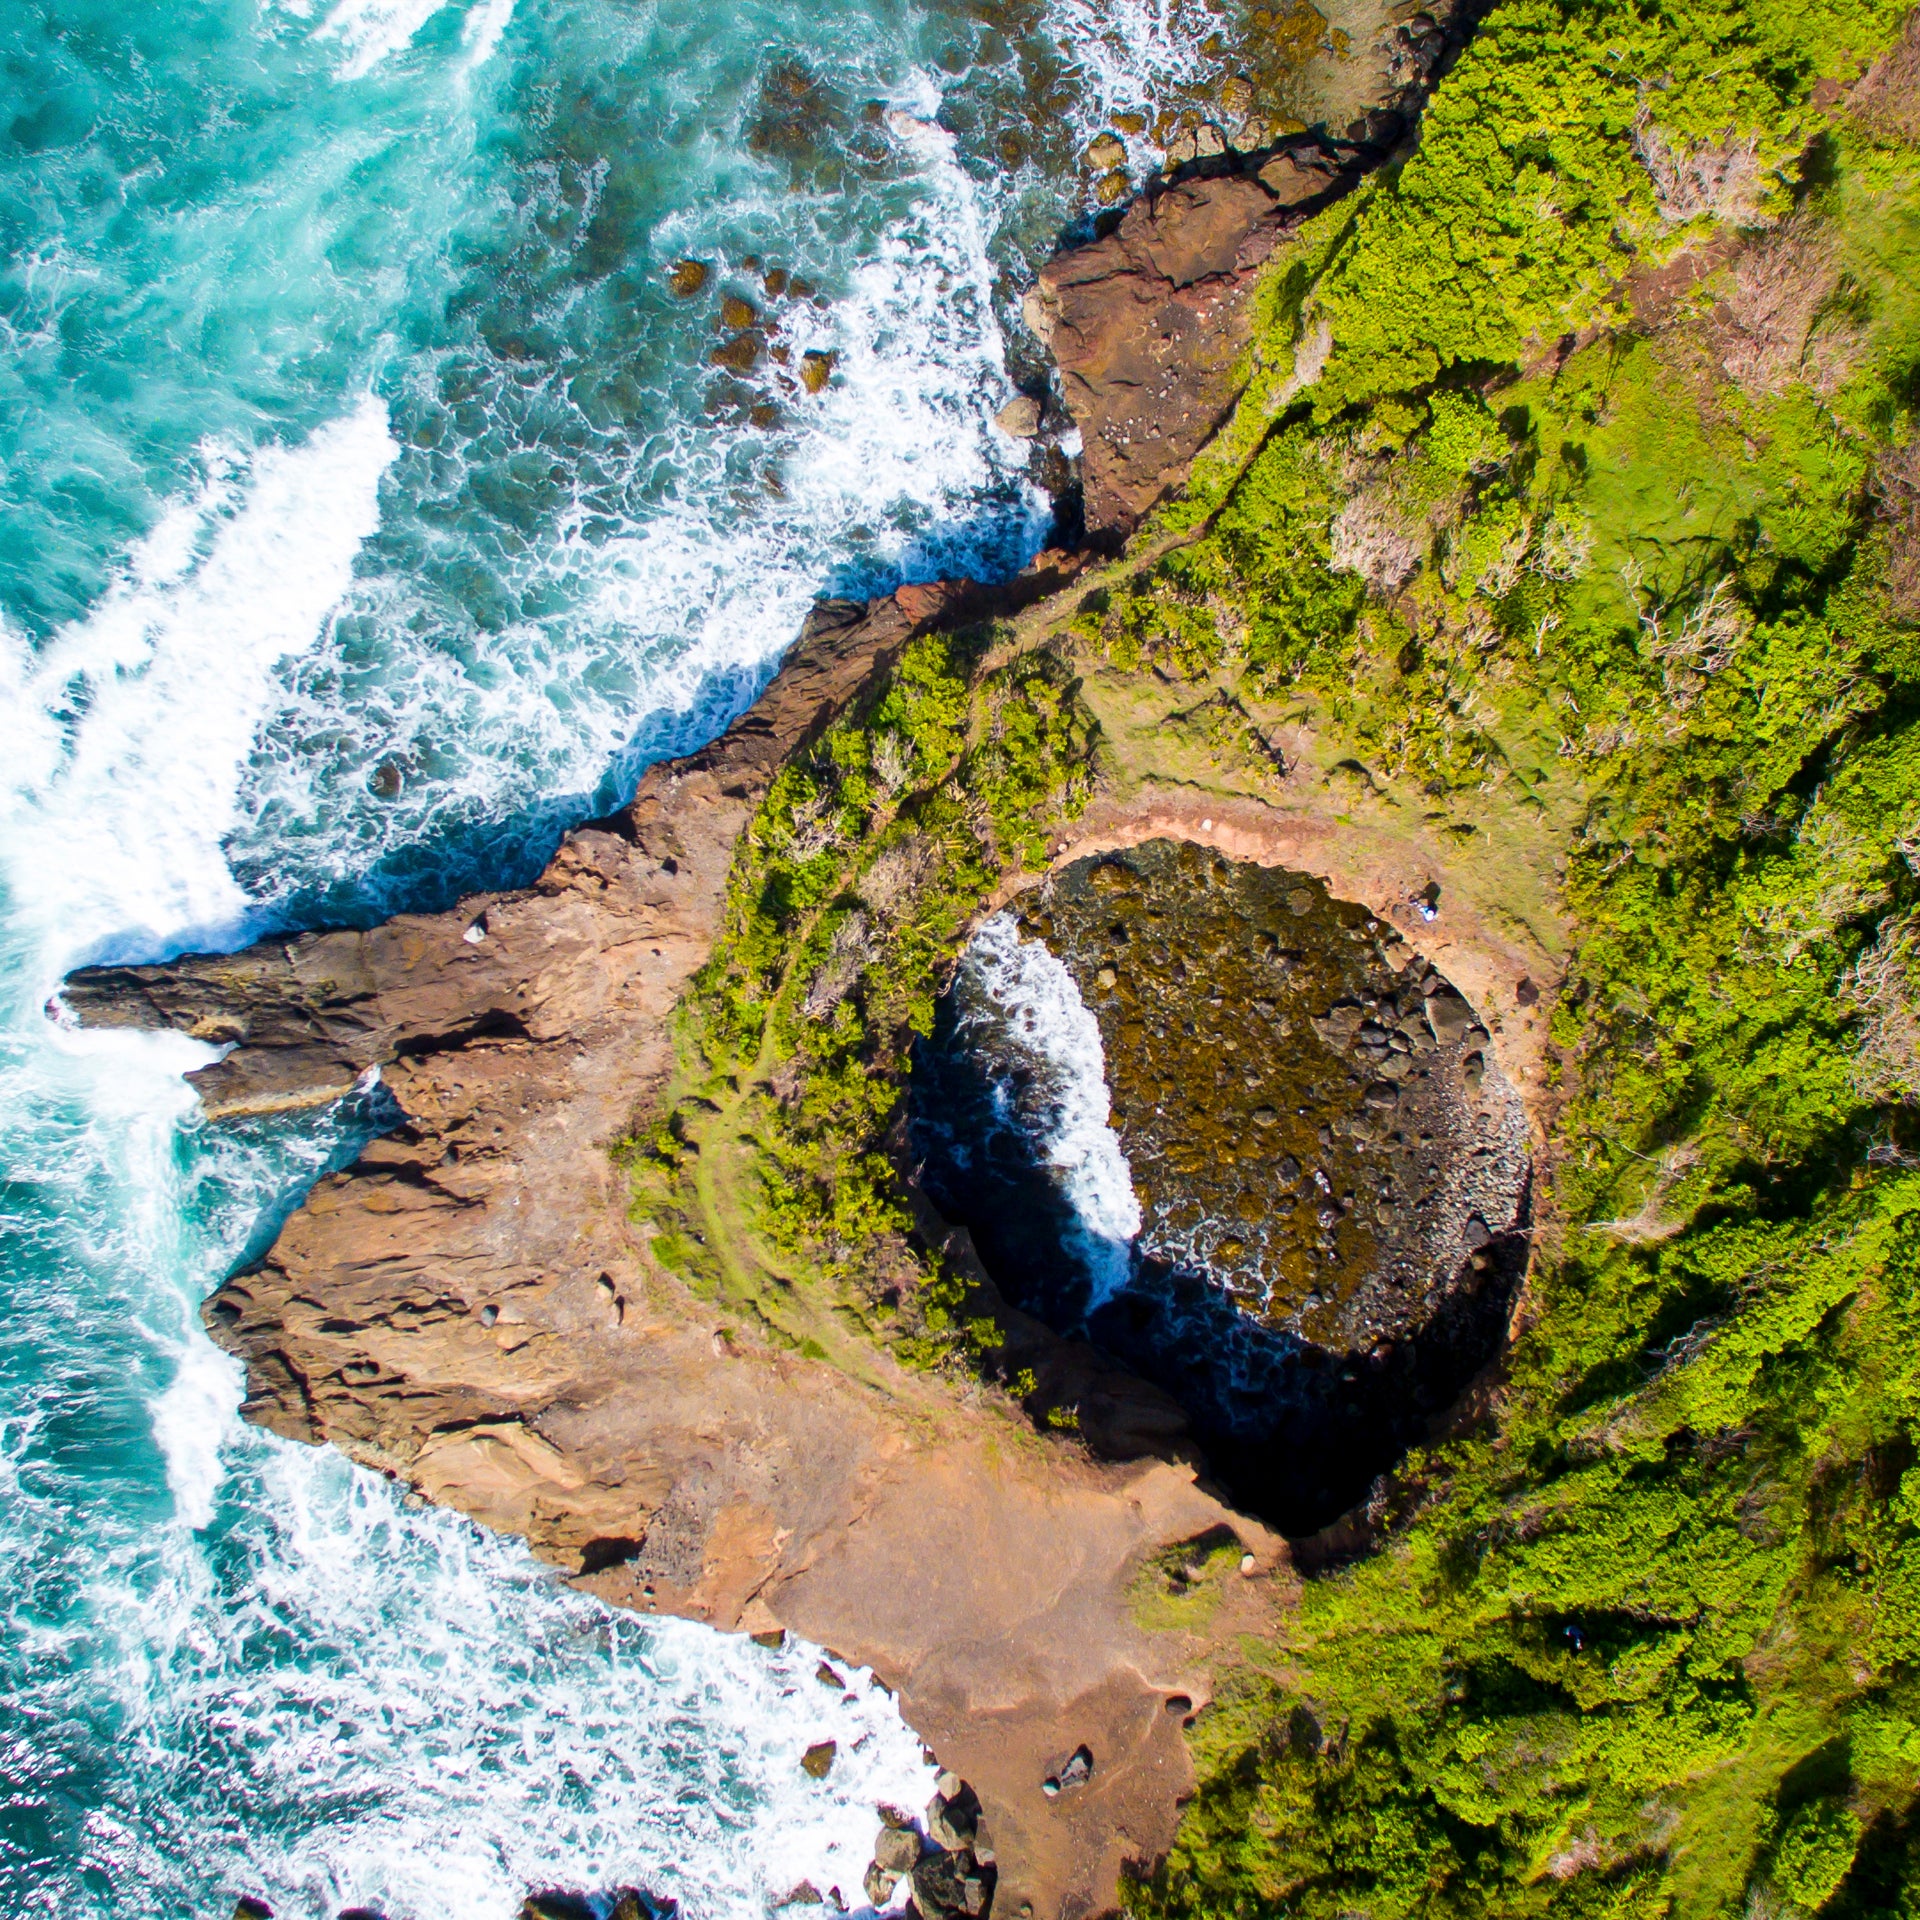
817,1761
946,1885
897,1851
1020,418
953,1818
1449,1016
1146,327
1297,176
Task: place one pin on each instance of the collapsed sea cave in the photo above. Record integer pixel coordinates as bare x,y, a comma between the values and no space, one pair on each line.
1223,1126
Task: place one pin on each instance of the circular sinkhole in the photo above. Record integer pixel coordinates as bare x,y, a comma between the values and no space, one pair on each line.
1193,1111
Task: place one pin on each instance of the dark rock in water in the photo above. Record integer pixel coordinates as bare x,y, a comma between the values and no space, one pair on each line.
800,119
632,1904
897,1850
688,278
817,1761
741,353
626,1903
248,1908
360,1913
553,1904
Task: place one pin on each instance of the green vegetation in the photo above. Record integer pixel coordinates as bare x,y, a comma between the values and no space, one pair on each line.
1649,1643
850,893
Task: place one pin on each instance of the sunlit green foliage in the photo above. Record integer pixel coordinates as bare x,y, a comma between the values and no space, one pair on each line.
853,886
1646,1644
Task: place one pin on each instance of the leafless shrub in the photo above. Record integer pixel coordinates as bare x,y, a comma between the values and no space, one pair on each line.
1887,97
1500,575
1652,1223
846,957
1849,879
1699,645
1584,1853
1564,549
1906,843
892,763
814,826
1721,178
1310,356
1781,321
1375,538
894,876
1898,485
1884,984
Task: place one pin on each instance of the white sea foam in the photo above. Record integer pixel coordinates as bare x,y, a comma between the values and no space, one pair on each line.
126,736
190,1420
712,573
370,31
1125,55
481,31
1048,1020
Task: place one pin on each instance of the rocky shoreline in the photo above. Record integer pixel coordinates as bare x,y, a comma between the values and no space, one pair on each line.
472,1308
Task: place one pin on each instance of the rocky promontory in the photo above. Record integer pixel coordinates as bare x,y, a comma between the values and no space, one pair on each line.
475,1308
471,1309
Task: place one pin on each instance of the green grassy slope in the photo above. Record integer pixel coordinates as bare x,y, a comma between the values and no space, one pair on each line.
1647,1644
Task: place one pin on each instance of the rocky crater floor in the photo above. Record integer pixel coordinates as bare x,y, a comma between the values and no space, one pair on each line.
1331,1171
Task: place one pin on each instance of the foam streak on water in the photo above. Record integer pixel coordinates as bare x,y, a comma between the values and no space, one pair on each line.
126,735
1066,1105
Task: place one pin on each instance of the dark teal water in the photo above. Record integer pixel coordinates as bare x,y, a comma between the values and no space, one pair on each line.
369,508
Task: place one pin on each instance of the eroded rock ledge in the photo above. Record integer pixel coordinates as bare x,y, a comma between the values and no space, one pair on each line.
1149,324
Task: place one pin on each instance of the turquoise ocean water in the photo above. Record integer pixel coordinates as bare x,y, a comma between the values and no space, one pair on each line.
369,508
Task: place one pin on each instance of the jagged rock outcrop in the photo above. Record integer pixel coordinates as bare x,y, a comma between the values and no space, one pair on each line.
1149,324
455,1005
